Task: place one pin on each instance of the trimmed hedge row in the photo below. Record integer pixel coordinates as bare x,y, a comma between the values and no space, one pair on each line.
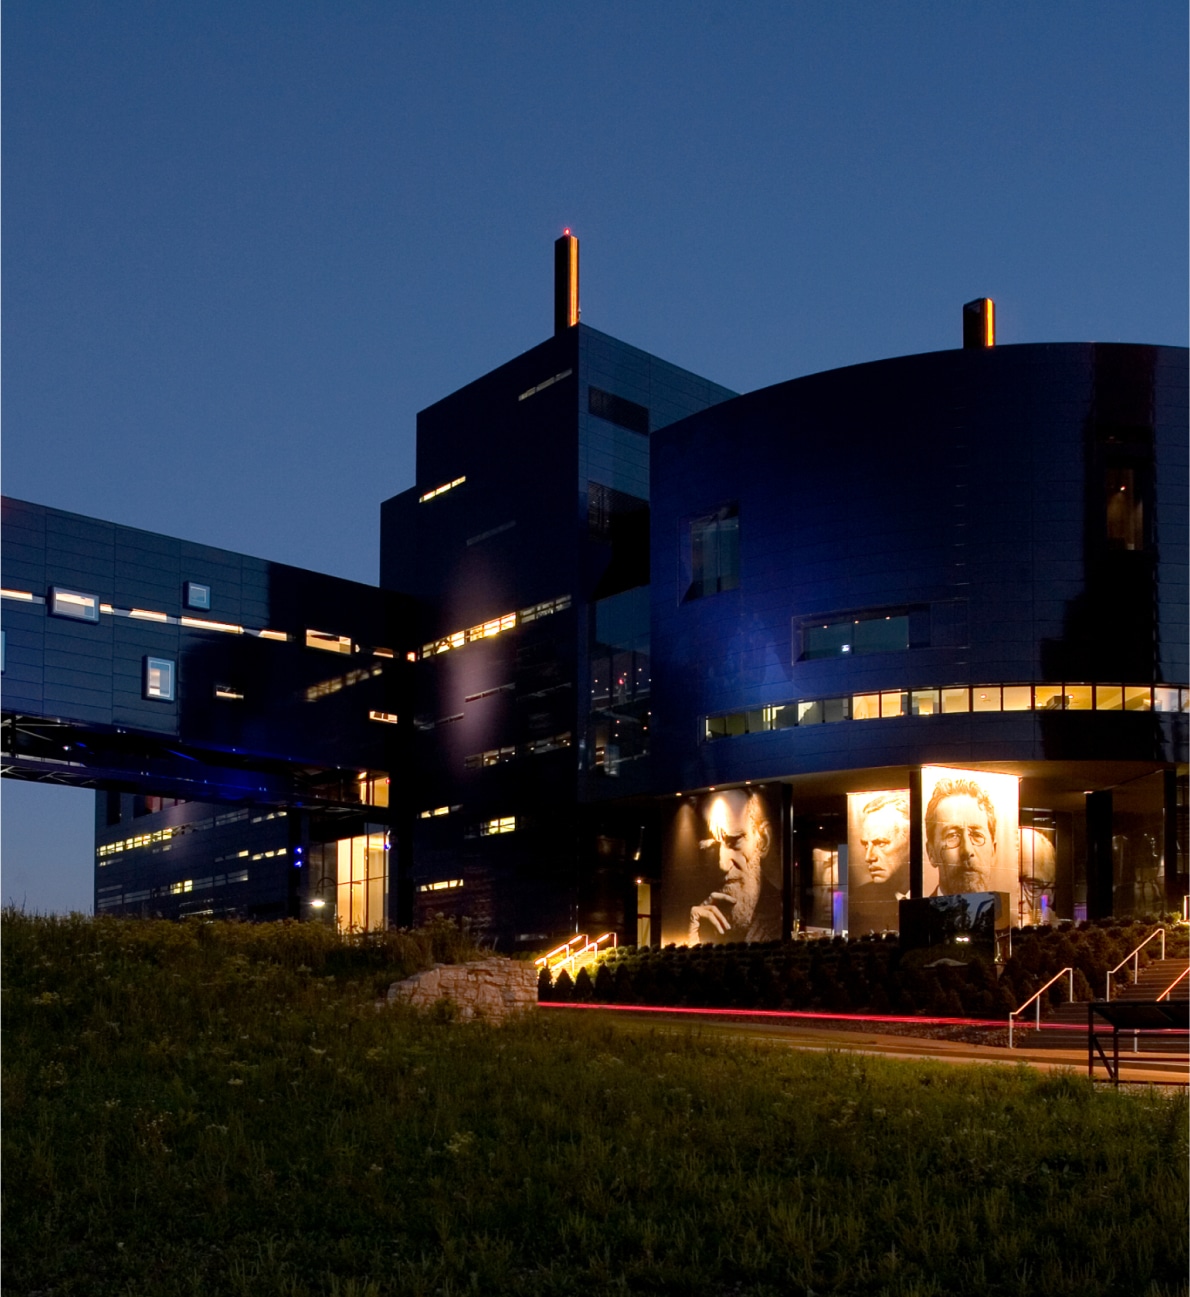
831,975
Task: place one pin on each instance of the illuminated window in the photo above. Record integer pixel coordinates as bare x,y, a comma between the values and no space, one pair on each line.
489,828
1138,698
443,885
956,700
74,604
1165,699
1109,698
362,883
159,679
373,788
865,707
24,596
985,698
713,553
330,643
644,913
229,692
388,718
1048,698
436,491
198,623
549,382
1018,698
925,702
1078,698
197,596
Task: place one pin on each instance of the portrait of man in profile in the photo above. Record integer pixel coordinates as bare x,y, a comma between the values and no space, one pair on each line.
884,850
960,833
745,906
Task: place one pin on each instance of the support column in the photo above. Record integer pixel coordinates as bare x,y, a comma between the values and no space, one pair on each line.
916,843
1099,862
1175,880
789,907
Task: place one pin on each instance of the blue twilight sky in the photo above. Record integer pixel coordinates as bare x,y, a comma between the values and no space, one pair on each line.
243,243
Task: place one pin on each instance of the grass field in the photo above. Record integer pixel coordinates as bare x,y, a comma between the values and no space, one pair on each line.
222,1109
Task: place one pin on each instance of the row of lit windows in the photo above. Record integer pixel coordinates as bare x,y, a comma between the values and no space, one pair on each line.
325,688
81,606
140,840
438,811
443,885
195,826
441,490
490,828
949,701
495,626
549,382
120,897
500,756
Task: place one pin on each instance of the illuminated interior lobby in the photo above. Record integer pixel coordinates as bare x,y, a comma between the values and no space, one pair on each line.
671,662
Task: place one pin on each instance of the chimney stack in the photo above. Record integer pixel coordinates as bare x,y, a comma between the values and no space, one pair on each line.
979,323
565,282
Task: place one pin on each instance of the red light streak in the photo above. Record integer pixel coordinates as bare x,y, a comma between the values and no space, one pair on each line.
800,1014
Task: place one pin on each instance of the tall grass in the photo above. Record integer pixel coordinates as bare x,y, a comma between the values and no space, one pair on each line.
223,1110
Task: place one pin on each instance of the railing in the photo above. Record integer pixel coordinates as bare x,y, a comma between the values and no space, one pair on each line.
1036,998
577,948
1181,977
1135,957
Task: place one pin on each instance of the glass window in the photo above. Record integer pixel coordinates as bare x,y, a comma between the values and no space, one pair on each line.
809,713
618,410
331,643
1018,698
74,604
985,698
881,634
833,638
1165,699
1185,699
784,718
716,727
1047,698
956,700
865,707
925,702
198,596
714,553
1138,698
827,640
1108,698
836,709
1123,509
1078,698
159,679
894,704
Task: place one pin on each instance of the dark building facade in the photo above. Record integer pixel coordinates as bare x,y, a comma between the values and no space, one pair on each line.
654,658
239,717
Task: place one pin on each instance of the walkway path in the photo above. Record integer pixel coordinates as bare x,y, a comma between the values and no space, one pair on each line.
795,1034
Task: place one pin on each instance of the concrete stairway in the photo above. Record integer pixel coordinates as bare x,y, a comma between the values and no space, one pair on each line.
1065,1027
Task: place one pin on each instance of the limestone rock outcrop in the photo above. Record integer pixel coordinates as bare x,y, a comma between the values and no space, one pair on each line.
493,989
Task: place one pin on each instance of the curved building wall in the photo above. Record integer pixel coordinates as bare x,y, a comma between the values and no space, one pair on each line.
968,500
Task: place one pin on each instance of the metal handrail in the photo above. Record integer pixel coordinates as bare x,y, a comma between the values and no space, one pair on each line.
1180,977
1036,996
1135,957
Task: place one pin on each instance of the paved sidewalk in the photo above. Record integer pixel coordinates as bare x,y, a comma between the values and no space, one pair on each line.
795,1034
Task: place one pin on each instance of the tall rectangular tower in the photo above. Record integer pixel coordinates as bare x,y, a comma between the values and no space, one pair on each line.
526,541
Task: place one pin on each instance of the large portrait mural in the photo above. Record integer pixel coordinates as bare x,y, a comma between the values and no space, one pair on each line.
878,859
970,833
721,874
